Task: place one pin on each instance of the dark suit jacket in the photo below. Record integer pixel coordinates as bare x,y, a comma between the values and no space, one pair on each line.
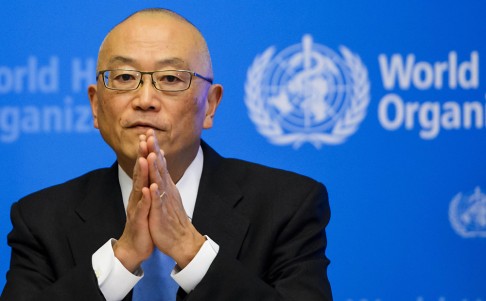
270,226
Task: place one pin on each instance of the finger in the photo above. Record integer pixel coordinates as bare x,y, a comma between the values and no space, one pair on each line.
140,172
157,162
143,206
140,180
142,146
168,206
150,132
162,164
172,207
155,176
152,141
164,182
158,200
153,147
159,217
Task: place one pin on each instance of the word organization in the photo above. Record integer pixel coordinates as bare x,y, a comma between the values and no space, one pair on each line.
36,76
46,119
430,116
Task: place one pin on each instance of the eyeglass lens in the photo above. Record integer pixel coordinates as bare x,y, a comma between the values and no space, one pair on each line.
168,80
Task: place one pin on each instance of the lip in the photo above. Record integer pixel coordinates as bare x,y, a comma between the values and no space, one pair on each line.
143,125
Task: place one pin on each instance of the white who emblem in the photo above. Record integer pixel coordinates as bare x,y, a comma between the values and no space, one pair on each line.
467,214
307,93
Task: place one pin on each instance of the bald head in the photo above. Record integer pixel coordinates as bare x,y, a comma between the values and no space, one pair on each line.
160,11
147,41
157,27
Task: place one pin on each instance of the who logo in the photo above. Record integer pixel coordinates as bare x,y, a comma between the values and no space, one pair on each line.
307,93
467,214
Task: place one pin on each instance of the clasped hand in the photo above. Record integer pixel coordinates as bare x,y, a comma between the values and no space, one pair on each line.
155,215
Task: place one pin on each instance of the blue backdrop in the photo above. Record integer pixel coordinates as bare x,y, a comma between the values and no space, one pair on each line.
383,101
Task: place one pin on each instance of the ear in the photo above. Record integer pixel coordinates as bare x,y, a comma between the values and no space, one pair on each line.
214,96
93,99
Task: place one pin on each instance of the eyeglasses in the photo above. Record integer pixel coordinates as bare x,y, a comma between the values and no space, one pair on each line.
166,80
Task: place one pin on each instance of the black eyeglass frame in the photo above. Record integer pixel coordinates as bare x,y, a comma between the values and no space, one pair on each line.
102,72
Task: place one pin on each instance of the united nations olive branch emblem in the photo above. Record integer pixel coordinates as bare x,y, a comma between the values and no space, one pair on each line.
307,93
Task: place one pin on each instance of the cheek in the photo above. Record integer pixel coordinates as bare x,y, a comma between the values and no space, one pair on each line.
191,108
111,107
108,118
199,110
199,103
186,118
103,114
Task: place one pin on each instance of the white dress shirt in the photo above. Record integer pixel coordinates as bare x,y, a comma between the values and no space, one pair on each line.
116,281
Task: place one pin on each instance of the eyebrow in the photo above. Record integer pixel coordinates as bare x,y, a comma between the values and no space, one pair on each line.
120,59
173,61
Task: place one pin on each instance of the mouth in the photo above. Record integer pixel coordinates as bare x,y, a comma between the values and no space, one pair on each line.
142,126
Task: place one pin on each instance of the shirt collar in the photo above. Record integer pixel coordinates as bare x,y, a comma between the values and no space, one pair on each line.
188,185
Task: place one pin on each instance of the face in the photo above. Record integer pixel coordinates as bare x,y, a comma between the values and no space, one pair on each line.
149,42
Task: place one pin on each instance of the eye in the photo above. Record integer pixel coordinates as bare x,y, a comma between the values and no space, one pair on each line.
123,77
169,79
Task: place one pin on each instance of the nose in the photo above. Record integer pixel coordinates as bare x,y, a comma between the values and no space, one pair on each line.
147,97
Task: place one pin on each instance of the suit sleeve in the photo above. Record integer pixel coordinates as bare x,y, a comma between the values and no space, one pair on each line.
32,275
296,267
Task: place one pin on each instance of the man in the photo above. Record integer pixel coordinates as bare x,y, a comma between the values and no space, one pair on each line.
234,230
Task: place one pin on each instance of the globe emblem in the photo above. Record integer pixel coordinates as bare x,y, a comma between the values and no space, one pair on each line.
467,214
307,93
305,88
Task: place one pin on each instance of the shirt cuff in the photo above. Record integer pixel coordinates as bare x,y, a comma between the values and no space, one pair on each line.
189,277
114,280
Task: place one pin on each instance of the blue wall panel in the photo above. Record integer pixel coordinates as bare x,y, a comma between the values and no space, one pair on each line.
407,182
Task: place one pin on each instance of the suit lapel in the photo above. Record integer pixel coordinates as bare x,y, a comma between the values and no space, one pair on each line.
101,213
214,213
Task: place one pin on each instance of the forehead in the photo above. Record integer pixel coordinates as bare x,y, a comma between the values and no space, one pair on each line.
152,41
